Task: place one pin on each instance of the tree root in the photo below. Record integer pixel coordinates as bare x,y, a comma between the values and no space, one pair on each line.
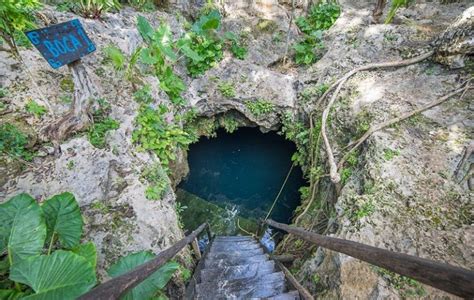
407,115
77,118
333,172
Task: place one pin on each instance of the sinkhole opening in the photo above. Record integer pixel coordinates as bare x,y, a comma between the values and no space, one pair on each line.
234,179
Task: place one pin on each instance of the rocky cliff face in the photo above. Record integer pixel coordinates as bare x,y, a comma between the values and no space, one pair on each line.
409,191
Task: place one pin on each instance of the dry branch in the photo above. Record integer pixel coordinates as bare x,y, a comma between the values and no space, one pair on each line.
407,115
335,177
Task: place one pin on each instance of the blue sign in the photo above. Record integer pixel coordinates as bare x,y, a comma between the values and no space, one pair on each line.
63,43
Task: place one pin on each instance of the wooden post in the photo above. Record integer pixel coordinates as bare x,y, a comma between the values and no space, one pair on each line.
196,250
454,280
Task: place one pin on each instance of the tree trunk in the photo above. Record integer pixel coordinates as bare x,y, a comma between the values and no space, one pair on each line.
378,10
456,42
77,118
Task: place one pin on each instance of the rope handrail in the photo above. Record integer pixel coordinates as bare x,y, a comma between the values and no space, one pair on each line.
119,285
451,279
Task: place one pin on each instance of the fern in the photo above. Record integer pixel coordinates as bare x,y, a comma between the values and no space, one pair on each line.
115,55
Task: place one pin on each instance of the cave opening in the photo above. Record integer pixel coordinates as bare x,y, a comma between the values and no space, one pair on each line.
234,179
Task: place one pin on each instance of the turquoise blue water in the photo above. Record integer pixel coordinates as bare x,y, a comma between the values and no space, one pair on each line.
243,172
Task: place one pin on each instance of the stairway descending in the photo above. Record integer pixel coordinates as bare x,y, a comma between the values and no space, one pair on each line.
236,267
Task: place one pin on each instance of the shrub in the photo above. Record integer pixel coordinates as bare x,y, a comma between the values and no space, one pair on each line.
259,107
13,142
35,109
142,5
226,89
205,43
319,17
160,55
98,131
15,17
94,9
158,180
154,133
236,47
305,50
115,56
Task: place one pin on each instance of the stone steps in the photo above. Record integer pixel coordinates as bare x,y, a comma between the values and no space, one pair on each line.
236,267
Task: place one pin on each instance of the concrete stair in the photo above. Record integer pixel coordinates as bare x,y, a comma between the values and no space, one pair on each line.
236,267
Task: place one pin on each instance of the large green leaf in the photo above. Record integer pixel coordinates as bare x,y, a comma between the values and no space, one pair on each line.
148,288
145,29
88,251
22,228
63,219
207,22
61,275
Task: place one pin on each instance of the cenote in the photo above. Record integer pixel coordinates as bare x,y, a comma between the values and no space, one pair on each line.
234,179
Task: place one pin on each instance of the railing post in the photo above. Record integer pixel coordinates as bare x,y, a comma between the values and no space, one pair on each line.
196,250
208,232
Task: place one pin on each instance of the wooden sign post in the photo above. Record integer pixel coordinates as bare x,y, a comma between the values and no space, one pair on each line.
65,44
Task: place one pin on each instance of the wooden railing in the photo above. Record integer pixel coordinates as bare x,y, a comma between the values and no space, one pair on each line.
117,286
454,280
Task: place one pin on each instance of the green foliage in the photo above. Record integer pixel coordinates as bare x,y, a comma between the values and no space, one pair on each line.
102,124
226,88
24,231
314,92
98,131
185,273
115,56
406,286
88,251
236,47
319,17
205,43
35,109
62,275
297,132
3,92
13,142
143,95
142,5
155,134
207,23
395,5
121,62
389,154
66,84
230,124
364,210
94,9
63,220
15,17
259,107
150,287
352,161
209,49
158,180
304,50
160,55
